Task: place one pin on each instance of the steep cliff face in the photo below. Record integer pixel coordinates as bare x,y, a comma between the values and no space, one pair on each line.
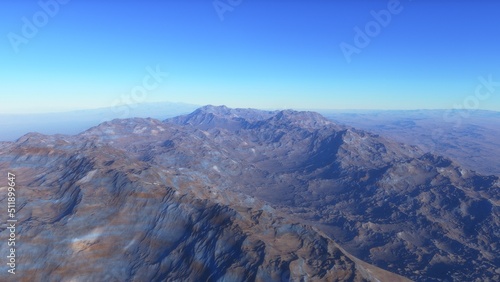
236,194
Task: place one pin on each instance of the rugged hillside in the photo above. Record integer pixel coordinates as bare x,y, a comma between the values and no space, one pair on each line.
469,137
245,193
419,215
92,208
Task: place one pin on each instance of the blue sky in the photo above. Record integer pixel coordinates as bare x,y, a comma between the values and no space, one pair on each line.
262,54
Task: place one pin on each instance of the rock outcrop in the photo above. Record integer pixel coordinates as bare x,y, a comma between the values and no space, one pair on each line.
245,195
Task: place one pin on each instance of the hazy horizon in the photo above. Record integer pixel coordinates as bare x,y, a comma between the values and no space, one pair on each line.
257,108
14,126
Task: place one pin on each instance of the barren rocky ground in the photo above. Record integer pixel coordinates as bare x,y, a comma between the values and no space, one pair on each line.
241,195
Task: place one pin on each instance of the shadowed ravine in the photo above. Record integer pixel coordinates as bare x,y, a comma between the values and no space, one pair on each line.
244,195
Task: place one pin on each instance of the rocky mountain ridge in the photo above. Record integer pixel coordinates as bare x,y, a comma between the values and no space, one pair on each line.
436,131
416,214
91,207
401,193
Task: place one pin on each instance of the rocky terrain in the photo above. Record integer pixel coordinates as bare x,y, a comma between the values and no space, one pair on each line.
95,207
414,213
469,137
245,195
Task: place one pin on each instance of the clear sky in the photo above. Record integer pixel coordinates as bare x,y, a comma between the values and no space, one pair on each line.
249,53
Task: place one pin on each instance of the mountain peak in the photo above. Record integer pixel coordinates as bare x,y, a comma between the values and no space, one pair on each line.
211,109
302,118
194,194
300,114
210,116
223,117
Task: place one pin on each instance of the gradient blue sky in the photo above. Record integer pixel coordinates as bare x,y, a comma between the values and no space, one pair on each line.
264,54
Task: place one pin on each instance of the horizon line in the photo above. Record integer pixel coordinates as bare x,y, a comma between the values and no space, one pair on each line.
256,108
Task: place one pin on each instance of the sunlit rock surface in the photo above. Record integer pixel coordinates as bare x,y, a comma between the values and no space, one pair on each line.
245,195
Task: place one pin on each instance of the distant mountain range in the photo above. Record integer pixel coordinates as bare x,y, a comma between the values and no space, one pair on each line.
226,194
471,138
13,126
